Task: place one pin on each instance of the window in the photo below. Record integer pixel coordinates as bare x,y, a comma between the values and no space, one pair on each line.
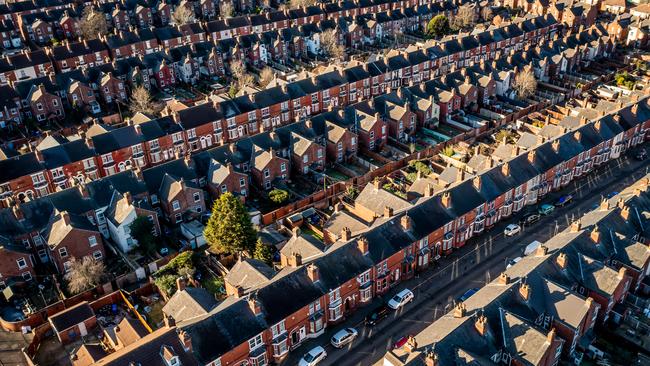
97,255
266,173
92,240
278,329
176,206
353,141
242,182
27,276
320,153
22,263
255,342
224,188
66,266
305,159
283,167
178,217
63,252
314,307
197,197
154,199
107,159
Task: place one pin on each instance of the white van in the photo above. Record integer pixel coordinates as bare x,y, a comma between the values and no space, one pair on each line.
532,247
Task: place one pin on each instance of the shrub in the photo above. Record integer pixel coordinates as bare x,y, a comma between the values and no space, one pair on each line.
278,196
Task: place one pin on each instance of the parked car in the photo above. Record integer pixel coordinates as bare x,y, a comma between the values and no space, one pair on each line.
511,230
545,209
468,294
529,219
532,247
399,343
400,299
343,337
641,155
377,315
313,357
564,200
512,262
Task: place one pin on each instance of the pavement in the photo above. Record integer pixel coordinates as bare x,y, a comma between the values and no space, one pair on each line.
479,261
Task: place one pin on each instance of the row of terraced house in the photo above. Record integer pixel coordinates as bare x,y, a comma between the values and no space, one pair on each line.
319,286
548,304
101,151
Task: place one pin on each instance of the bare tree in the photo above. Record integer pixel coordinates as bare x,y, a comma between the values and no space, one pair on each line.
183,15
525,83
266,76
142,102
92,23
239,73
464,17
487,14
226,9
85,274
329,43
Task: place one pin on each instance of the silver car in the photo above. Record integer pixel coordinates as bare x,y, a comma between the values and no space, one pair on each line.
343,337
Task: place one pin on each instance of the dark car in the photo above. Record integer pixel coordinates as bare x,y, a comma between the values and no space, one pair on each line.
641,155
564,200
467,294
377,315
529,219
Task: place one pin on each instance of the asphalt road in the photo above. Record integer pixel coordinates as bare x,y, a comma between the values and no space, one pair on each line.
482,259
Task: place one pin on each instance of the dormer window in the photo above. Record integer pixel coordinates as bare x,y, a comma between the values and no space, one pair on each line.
169,356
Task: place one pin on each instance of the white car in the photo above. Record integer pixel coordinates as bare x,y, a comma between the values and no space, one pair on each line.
400,299
512,262
343,337
512,230
313,357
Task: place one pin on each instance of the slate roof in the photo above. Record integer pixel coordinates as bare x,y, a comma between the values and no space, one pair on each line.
189,303
72,316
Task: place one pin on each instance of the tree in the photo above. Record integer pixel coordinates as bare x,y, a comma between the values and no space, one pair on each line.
142,102
263,252
226,9
229,229
278,195
464,17
448,151
92,23
438,26
183,15
239,73
141,230
266,76
329,43
487,14
525,83
84,274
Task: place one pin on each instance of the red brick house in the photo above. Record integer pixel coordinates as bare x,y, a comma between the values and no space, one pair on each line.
16,263
342,144
266,167
178,198
112,88
224,178
73,237
45,105
306,154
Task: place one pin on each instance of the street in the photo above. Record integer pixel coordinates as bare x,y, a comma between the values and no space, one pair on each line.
482,259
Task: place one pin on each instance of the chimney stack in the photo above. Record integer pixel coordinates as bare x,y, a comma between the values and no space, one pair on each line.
505,169
180,284
481,325
595,235
295,231
406,222
254,305
625,213
346,234
362,244
477,182
541,251
531,156
65,216
504,279
295,260
388,212
550,337
312,273
622,272
561,260
459,310
446,199
186,340
576,226
604,204
524,291
428,191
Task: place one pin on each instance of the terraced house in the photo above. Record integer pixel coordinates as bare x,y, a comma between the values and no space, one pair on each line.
326,283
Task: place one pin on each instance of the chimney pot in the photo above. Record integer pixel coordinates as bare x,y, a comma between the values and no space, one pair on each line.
481,324
459,310
504,279
363,245
561,260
